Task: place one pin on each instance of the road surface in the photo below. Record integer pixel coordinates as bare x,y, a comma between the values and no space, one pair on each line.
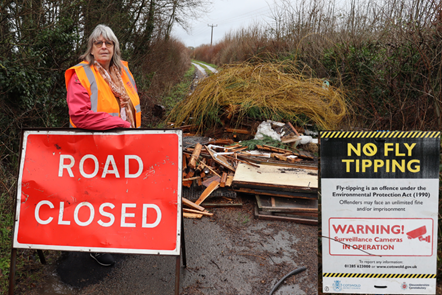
229,253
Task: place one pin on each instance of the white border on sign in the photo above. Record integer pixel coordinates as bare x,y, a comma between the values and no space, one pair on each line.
378,286
175,252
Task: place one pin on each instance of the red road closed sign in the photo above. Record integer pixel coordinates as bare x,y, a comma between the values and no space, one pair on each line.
100,191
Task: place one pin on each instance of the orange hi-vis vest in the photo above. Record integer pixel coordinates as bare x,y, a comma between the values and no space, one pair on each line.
102,98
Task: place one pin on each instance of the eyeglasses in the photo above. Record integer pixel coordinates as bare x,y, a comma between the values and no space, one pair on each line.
99,44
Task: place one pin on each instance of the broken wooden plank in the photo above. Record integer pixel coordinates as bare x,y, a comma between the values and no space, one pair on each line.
232,147
293,128
276,193
279,157
301,154
192,178
210,168
192,215
275,176
187,183
223,180
208,181
292,205
195,155
200,166
184,163
186,210
240,149
213,186
242,161
238,131
229,179
284,218
222,202
191,204
292,214
219,159
304,155
273,149
188,178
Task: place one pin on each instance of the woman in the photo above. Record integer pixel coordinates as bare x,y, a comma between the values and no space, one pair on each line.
101,93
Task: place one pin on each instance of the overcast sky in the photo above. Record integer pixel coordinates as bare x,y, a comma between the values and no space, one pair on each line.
228,15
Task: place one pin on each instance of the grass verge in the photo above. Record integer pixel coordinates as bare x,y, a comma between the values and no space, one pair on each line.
178,92
6,224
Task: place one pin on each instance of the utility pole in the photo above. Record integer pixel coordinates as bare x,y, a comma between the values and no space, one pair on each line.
211,36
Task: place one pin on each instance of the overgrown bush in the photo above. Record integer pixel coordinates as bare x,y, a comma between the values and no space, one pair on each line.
39,42
386,54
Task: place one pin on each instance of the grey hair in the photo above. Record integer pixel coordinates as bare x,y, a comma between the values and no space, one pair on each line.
108,34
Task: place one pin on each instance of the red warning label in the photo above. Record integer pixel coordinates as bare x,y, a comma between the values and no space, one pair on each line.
381,236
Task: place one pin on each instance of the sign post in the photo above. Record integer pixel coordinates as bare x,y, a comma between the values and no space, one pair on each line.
113,191
379,200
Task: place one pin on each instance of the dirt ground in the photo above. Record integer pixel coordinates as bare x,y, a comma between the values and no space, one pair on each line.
229,253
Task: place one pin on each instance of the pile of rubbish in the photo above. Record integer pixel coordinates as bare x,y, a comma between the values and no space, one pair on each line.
283,180
250,146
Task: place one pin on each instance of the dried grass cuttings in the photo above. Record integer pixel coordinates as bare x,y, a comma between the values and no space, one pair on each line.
264,89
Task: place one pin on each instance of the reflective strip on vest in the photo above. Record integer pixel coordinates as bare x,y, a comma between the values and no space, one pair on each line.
130,77
138,108
94,90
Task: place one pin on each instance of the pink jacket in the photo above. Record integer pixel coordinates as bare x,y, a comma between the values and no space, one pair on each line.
82,116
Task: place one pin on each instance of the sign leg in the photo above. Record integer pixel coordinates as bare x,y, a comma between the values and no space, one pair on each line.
177,275
41,256
12,271
183,242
